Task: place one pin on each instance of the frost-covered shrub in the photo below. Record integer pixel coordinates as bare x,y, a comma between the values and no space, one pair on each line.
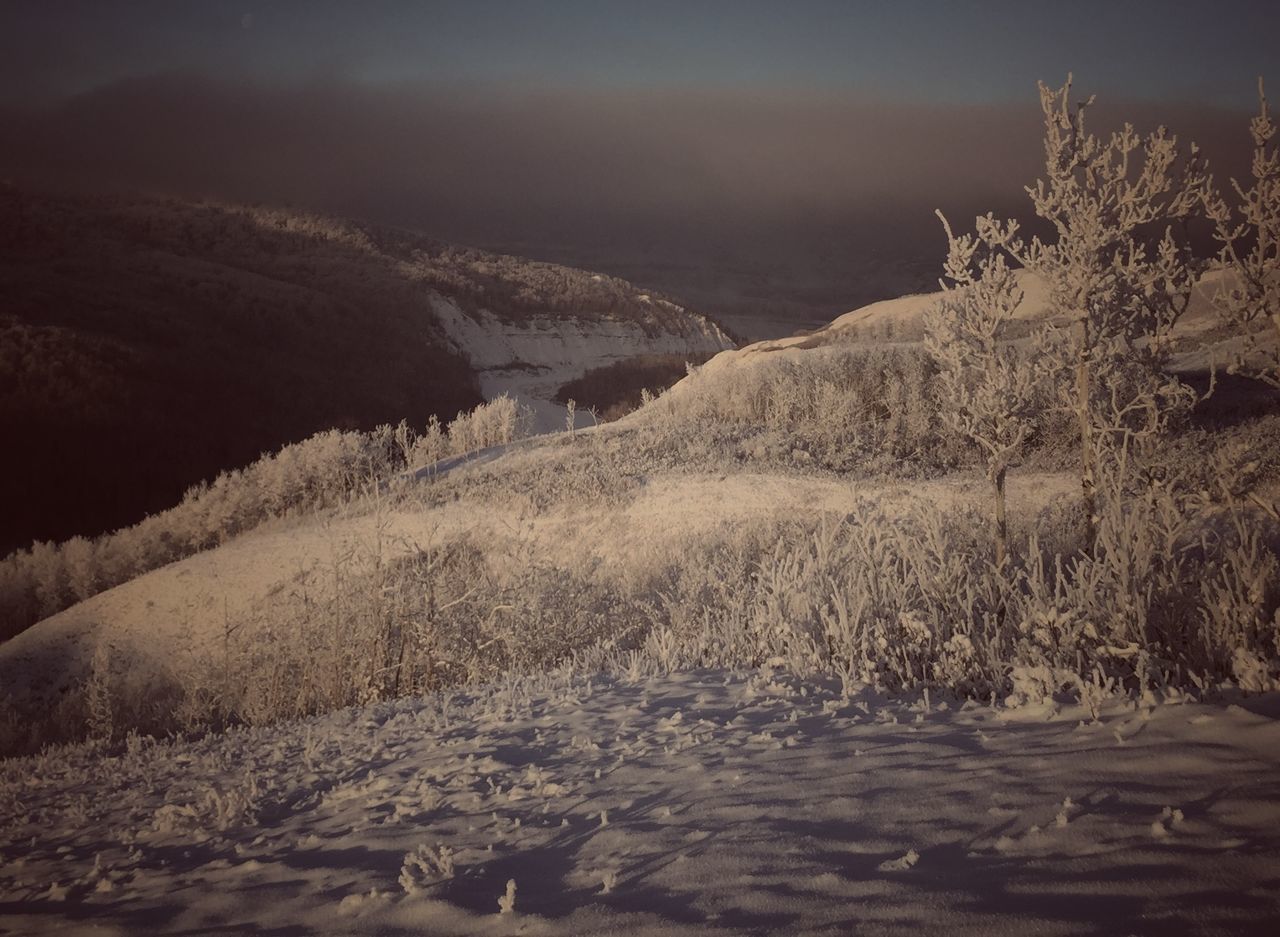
839,407
1116,272
1176,592
431,446
880,595
424,867
100,716
1249,296
606,470
322,470
1168,582
47,568
326,469
15,730
507,901
991,390
901,593
379,625
214,809
1169,596
500,421
83,567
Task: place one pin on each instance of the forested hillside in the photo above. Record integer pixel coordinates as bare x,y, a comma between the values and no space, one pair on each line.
147,344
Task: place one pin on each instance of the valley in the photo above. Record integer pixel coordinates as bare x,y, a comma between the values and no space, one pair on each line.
262,326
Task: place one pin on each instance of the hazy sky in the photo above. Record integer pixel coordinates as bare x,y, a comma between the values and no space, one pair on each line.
567,125
951,49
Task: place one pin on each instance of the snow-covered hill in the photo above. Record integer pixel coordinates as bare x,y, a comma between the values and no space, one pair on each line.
901,320
705,802
174,619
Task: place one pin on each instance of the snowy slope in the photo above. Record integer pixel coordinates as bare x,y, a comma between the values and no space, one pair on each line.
705,802
173,616
905,315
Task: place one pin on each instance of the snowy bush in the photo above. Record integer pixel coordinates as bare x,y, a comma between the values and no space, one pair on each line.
879,596
1249,296
500,421
1181,589
908,596
324,470
431,446
424,867
507,903
840,408
375,627
991,390
100,718
1116,272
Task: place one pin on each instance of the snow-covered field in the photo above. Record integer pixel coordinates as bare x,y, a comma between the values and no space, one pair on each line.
739,802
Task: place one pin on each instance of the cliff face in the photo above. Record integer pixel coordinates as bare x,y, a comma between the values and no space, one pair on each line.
532,358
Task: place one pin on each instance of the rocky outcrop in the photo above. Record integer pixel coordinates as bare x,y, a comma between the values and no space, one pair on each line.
531,358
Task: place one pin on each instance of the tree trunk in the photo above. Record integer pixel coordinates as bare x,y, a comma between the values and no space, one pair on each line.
1002,544
1002,520
1088,457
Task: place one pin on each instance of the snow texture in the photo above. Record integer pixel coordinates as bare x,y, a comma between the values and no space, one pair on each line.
739,802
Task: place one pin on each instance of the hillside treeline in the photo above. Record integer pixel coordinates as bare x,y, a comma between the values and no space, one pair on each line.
149,344
329,468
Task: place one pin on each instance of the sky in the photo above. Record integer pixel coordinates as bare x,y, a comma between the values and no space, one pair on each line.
954,50
597,131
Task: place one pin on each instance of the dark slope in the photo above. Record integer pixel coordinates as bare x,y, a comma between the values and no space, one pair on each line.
146,345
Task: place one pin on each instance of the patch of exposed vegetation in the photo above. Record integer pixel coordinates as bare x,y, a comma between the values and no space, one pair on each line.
620,387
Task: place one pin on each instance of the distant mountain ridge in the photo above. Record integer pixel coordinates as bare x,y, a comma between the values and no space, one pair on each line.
148,343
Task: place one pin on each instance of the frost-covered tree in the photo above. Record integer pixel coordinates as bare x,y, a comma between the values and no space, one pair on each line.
1249,295
1115,270
989,388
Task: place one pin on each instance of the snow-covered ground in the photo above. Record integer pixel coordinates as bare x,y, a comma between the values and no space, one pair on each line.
734,802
